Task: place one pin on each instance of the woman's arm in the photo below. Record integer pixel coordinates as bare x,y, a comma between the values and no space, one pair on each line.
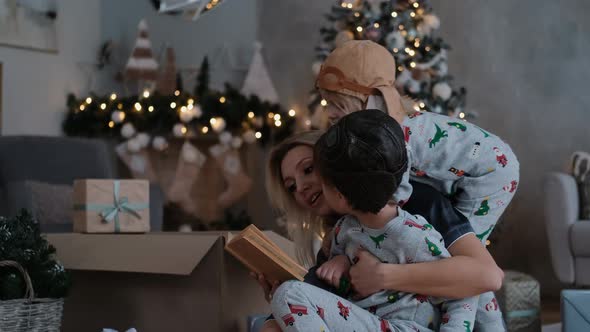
471,271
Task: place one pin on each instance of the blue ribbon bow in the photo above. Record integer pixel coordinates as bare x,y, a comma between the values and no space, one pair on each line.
110,213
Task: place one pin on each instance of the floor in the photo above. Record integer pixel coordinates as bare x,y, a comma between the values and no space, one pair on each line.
550,312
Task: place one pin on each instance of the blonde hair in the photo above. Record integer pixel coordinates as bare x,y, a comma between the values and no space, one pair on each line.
302,225
354,103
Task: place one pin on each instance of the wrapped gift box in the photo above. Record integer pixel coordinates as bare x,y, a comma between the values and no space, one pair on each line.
111,206
575,310
520,301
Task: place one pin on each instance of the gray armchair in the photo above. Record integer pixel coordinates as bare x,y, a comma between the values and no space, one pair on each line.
568,236
58,161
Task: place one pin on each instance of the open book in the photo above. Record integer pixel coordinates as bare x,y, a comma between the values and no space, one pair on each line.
255,250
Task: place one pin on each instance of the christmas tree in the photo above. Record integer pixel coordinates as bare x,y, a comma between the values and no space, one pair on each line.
21,241
407,29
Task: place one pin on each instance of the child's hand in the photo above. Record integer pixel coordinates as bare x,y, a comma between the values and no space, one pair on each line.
334,269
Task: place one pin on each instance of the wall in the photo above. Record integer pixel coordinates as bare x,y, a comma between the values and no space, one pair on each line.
36,83
525,67
226,35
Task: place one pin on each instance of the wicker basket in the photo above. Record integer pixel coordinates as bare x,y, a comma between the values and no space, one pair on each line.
29,314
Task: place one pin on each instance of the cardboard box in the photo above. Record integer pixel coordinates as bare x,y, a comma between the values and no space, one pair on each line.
157,282
111,206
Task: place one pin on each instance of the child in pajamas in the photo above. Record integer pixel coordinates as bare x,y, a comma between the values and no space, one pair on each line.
362,160
474,167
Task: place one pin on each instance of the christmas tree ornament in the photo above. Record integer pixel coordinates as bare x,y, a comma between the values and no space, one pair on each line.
159,143
403,77
431,21
141,66
127,130
238,183
217,124
258,81
179,130
143,139
186,115
442,90
414,86
395,40
133,145
188,167
118,116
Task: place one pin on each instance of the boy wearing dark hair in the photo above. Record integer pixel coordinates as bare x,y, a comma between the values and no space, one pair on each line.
361,160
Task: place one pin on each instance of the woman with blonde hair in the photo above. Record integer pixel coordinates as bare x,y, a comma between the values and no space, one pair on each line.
468,164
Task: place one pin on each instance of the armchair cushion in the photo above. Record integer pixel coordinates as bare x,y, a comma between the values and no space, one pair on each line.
579,235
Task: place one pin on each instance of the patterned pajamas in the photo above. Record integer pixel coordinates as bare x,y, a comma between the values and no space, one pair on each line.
475,168
405,239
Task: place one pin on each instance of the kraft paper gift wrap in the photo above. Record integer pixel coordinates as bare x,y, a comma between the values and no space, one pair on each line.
111,206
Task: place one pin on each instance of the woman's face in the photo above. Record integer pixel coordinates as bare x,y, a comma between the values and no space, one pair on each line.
302,181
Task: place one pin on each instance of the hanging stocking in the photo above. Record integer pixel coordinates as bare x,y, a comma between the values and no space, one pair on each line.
189,165
238,183
137,160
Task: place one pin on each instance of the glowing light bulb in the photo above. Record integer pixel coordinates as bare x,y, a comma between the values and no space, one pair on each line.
271,115
395,50
413,64
146,94
172,105
488,242
412,14
151,109
292,113
191,101
82,107
278,123
222,99
111,124
393,14
343,5
88,100
205,130
103,106
422,105
213,121
349,6
113,96
427,48
359,29
416,107
120,106
137,107
462,115
251,115
324,103
183,109
258,135
416,5
376,25
357,14
400,68
401,26
183,130
177,93
277,117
